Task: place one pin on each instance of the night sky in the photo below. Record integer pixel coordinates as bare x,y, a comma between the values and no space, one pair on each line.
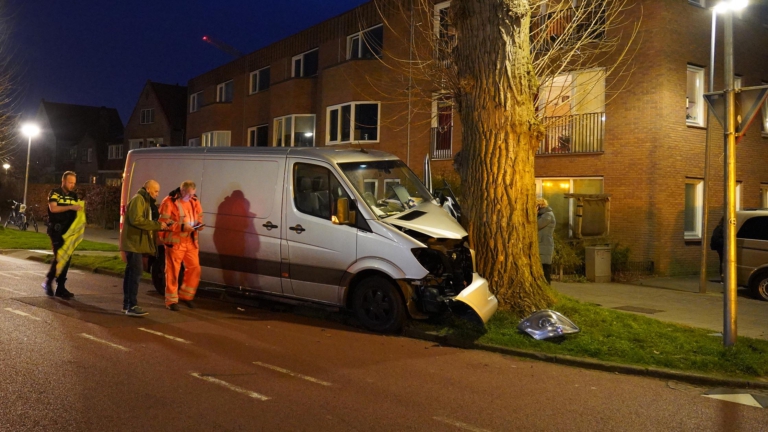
101,52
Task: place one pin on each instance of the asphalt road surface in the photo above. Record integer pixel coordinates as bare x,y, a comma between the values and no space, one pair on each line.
82,365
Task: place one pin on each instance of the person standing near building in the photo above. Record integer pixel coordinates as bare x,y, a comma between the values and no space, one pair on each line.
546,222
181,210
62,211
136,239
717,244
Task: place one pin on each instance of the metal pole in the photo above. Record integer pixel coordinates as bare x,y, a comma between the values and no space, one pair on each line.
26,177
705,218
729,303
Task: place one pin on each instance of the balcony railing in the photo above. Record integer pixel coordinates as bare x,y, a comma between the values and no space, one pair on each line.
577,133
440,147
568,27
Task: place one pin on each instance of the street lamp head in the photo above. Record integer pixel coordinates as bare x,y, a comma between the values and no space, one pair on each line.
731,5
6,166
30,130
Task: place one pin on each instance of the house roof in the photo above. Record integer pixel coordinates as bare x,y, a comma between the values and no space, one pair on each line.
72,123
173,100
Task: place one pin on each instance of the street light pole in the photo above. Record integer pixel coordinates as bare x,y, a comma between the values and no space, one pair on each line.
729,304
30,130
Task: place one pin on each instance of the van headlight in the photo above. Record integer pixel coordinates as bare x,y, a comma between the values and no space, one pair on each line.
433,261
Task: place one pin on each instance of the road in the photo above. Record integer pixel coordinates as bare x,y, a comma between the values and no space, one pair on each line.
83,366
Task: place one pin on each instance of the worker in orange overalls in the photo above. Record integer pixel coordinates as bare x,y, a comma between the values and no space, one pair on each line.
182,212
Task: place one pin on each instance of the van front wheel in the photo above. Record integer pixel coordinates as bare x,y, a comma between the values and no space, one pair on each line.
378,305
758,286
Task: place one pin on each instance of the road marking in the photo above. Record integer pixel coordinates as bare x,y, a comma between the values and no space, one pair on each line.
18,312
87,336
230,386
13,291
8,275
459,424
164,335
47,252
293,374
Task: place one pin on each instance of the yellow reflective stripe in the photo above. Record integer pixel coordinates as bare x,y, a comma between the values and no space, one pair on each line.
173,239
184,234
165,215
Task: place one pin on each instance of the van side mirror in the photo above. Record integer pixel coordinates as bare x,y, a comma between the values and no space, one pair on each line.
343,215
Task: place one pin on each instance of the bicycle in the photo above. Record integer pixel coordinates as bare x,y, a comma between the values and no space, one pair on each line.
33,220
17,217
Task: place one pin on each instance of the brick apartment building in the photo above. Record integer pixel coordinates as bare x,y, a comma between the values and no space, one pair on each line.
158,119
642,146
73,138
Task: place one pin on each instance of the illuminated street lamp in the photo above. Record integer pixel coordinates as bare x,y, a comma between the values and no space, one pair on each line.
30,130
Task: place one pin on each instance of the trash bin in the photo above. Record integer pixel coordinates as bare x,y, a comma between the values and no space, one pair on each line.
597,261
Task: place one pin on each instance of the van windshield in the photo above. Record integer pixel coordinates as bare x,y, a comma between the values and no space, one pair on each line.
388,187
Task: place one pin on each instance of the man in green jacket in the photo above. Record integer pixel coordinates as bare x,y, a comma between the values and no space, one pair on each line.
137,238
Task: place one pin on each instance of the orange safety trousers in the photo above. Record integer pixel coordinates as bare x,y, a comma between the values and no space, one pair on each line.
187,253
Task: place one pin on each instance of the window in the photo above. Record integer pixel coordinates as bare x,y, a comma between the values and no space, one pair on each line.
195,101
736,82
699,3
258,136
215,139
135,144
738,196
113,181
194,142
115,151
442,127
147,116
154,142
754,228
353,122
445,33
694,196
305,65
225,91
694,96
366,44
73,154
565,210
295,131
316,190
764,195
371,186
259,80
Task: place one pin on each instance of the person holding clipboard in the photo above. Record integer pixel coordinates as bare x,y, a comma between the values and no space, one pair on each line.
182,212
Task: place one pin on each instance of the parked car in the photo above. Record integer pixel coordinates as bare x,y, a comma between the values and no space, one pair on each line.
347,228
752,251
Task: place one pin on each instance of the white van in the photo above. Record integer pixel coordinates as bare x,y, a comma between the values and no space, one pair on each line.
347,228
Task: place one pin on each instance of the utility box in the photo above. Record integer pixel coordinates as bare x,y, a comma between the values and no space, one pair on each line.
598,263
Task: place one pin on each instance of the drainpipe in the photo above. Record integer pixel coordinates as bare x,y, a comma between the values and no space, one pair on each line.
410,87
705,218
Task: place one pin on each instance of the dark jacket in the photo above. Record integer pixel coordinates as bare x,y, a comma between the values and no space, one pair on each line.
546,224
137,234
717,242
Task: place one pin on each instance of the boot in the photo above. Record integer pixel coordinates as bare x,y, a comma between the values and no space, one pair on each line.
62,292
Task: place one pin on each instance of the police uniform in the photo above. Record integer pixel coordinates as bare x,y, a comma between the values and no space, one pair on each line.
58,224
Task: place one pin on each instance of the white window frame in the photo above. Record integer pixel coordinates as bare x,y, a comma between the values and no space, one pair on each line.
216,139
701,110
134,144
221,91
193,142
194,101
699,216
539,181
763,195
154,142
352,122
361,42
90,155
436,17
115,151
255,130
300,57
258,75
147,116
375,186
738,195
279,122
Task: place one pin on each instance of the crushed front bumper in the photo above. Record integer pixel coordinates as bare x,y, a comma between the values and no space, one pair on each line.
479,297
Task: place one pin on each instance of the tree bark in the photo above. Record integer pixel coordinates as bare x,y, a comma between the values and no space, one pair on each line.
499,140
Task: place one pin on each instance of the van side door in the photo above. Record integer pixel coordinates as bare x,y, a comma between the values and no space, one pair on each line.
320,251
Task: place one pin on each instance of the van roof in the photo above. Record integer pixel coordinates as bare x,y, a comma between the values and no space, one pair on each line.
328,154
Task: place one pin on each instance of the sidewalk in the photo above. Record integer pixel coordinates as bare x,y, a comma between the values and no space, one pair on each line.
102,235
674,300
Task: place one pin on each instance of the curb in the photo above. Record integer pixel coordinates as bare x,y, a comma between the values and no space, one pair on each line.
97,270
650,372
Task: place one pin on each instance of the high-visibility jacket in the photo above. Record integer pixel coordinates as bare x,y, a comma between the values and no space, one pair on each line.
72,238
172,210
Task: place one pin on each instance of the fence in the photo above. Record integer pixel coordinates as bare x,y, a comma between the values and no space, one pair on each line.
576,133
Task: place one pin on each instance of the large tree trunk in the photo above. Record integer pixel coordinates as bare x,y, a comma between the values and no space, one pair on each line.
499,140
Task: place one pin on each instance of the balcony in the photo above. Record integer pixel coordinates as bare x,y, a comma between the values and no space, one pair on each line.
440,147
573,134
568,27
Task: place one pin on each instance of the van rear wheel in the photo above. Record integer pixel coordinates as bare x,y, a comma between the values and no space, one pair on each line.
378,305
758,286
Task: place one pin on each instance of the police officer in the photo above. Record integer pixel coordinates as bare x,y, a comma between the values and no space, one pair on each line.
62,211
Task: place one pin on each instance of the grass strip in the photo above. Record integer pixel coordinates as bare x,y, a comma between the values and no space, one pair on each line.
621,337
14,239
111,263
